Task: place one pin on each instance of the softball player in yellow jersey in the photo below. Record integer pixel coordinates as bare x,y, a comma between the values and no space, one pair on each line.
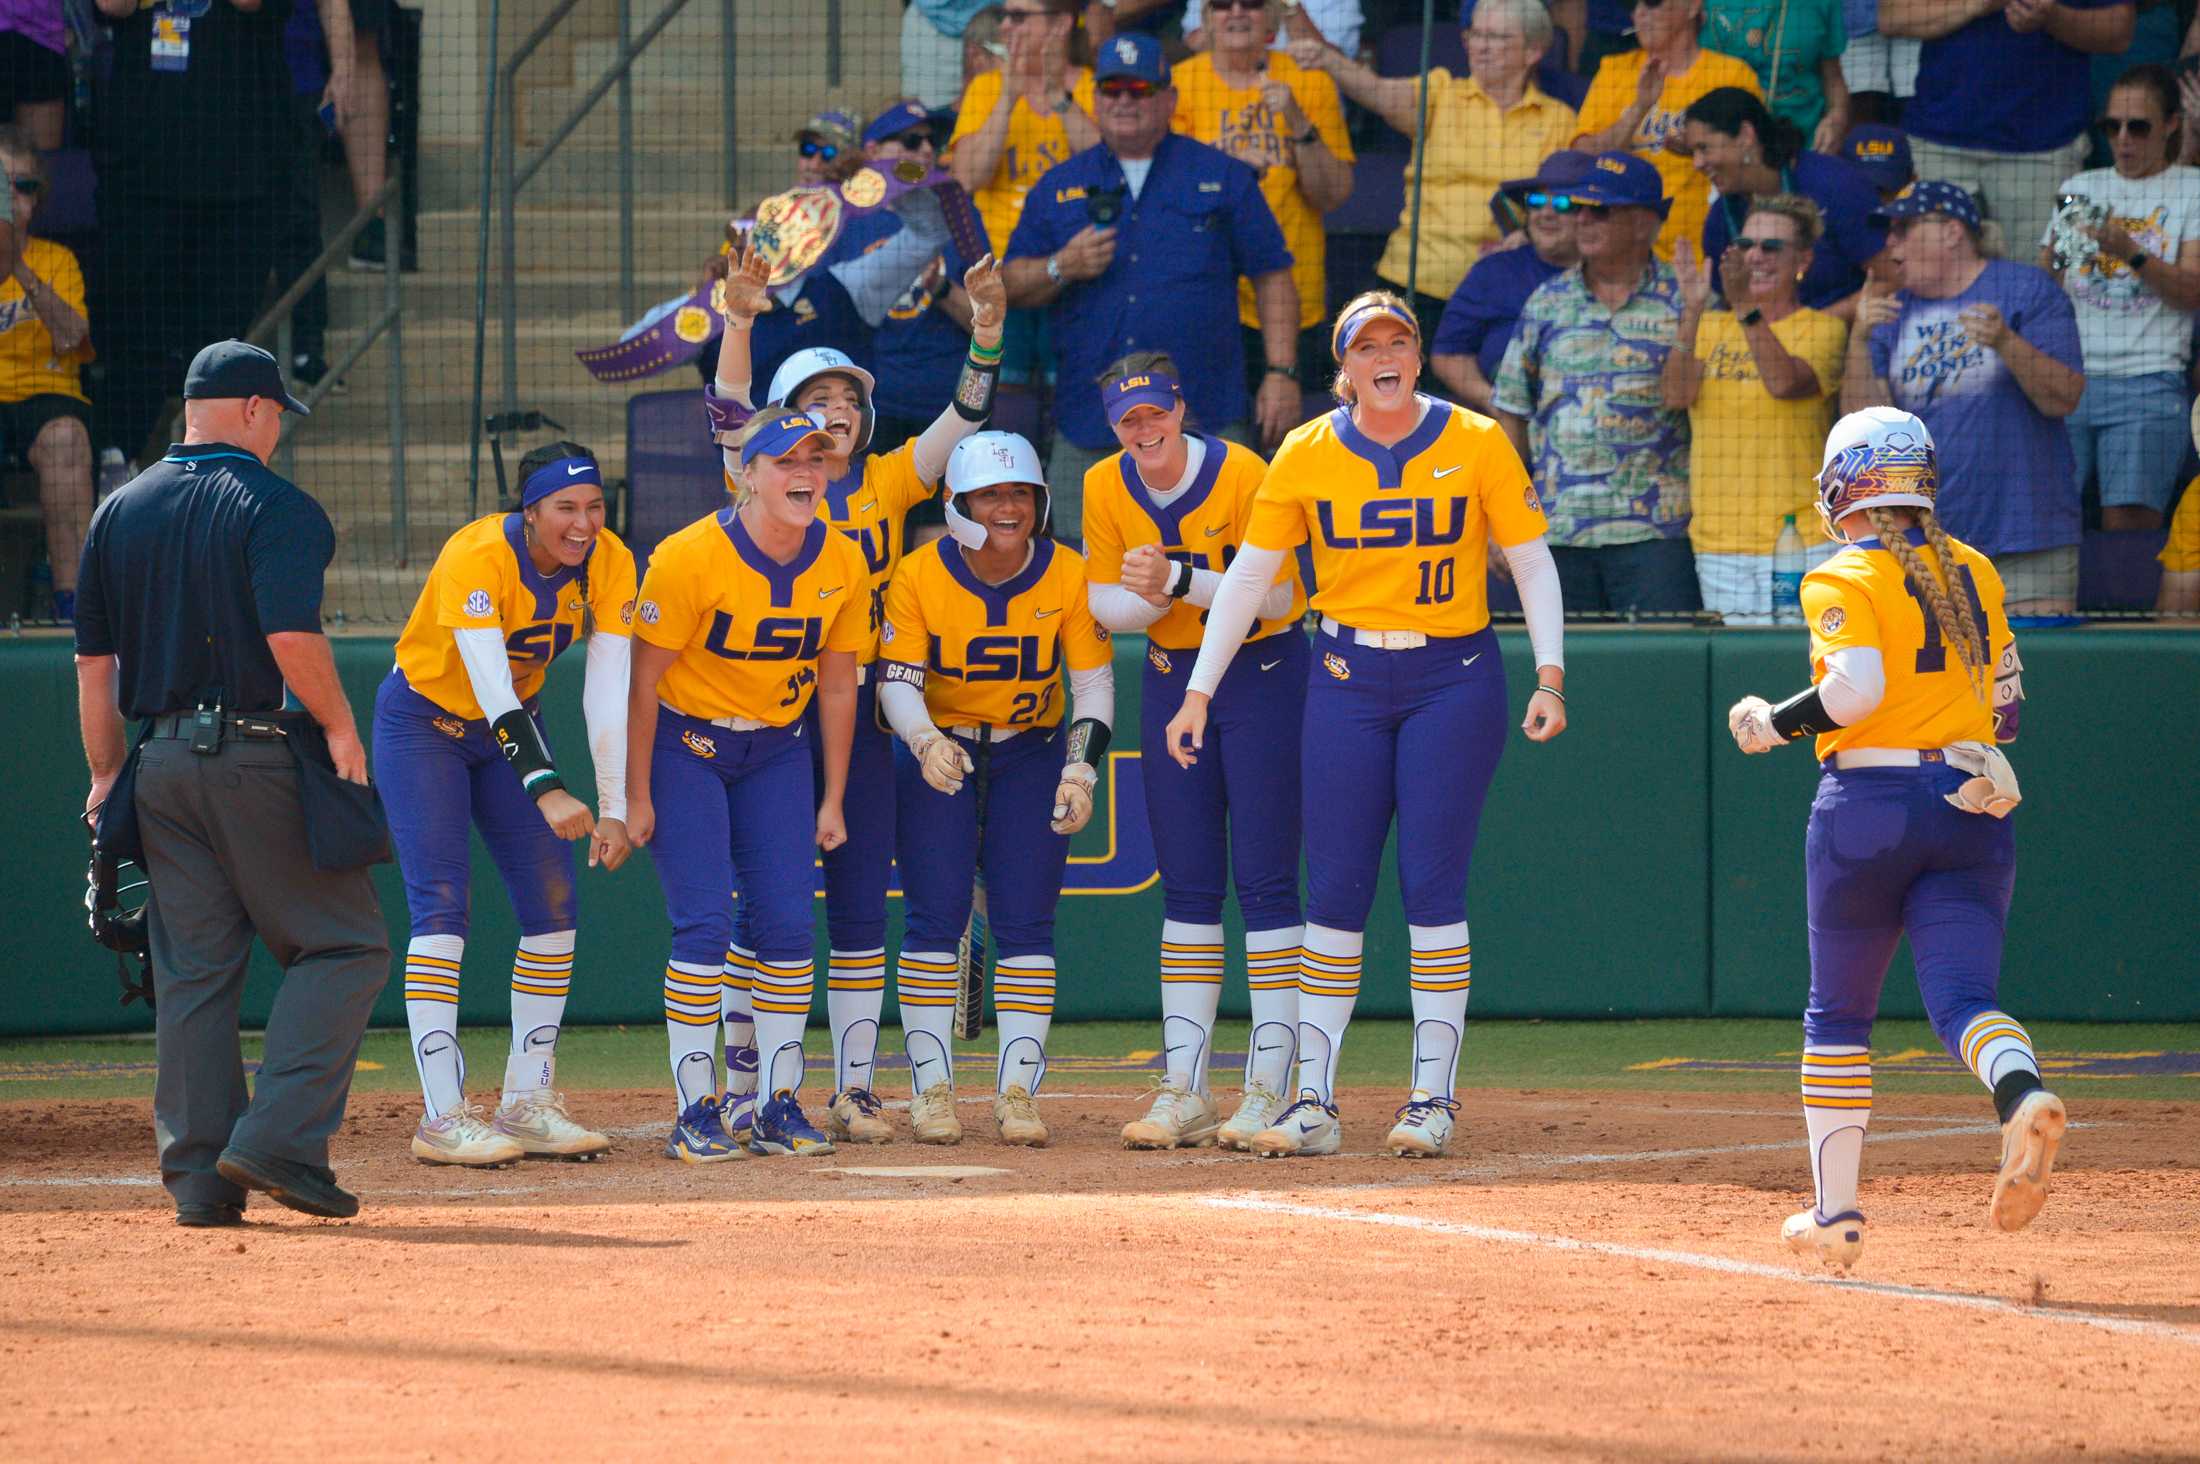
1163,520
743,617
1398,495
458,742
1914,682
867,497
979,626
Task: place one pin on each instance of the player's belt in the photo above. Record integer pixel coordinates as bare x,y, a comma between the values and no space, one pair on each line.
996,734
1887,757
731,724
1381,640
233,724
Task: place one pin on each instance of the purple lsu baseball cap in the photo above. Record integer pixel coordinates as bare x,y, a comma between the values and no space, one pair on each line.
1133,54
900,118
1141,389
1622,180
1930,196
1881,154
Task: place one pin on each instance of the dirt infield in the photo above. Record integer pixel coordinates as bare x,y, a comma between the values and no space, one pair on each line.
1588,1276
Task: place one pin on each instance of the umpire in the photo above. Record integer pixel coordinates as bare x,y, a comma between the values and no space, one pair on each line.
199,616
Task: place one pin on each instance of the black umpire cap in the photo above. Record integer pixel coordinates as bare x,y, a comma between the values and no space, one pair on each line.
235,369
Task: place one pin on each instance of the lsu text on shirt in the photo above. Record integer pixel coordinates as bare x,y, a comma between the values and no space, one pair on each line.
1753,458
484,580
1861,597
1036,142
1613,92
748,629
1400,534
1240,122
992,654
29,365
1202,528
870,507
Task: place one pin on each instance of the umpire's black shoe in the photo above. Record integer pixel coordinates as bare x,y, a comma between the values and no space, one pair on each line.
308,1188
207,1217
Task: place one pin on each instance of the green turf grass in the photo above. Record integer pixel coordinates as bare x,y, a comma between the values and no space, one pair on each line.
1499,1054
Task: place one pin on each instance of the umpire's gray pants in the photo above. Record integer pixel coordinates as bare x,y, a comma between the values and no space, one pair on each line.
225,849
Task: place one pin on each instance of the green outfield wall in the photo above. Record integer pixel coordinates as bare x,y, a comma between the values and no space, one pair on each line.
1639,866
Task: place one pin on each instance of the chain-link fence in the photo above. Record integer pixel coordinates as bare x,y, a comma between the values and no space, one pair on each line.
431,212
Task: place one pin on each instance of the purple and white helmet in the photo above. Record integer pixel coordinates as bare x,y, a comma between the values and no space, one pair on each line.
1881,457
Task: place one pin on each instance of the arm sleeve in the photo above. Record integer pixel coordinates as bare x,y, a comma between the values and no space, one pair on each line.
289,547
881,274
1120,610
906,712
1085,641
1244,587
1092,694
603,707
928,454
489,672
1853,685
1206,583
1535,576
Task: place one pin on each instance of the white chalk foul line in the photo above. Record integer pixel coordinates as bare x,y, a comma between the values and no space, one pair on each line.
1723,1265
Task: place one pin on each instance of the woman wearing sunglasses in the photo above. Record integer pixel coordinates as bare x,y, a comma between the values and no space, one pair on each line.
43,346
1754,379
1019,121
2134,293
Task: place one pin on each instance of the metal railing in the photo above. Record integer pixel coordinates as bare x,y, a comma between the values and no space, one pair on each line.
500,150
276,319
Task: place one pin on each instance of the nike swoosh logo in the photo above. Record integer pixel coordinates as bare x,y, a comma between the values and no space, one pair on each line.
1470,660
576,471
1043,614
1218,528
1447,472
435,1051
1270,1047
866,506
828,594
1271,665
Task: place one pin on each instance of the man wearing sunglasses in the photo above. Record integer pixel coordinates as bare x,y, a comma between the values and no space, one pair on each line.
1580,395
1137,245
825,150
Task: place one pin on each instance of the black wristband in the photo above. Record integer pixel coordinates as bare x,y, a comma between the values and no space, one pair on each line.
1180,583
1310,135
1288,373
520,740
1751,316
1802,715
1088,740
974,388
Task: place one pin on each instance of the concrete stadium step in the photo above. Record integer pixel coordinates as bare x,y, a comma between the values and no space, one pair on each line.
672,234
432,295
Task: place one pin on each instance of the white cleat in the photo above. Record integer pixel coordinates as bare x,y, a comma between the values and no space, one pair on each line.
1178,1119
1835,1243
1423,1130
1308,1126
1256,1110
1016,1113
463,1137
932,1116
538,1123
2028,1144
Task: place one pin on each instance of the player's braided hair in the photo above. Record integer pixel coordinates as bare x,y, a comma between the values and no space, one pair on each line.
543,456
1957,628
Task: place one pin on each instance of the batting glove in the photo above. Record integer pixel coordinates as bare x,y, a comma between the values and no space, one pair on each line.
944,762
1073,798
1750,720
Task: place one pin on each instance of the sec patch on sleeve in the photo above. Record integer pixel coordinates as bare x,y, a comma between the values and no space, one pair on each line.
477,604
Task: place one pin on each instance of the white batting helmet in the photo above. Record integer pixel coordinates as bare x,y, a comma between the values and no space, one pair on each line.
804,367
982,460
1881,457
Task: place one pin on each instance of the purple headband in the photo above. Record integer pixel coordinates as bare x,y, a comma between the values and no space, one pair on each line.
1142,389
1351,325
550,477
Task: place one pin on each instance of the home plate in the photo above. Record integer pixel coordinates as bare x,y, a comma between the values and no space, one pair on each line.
920,1171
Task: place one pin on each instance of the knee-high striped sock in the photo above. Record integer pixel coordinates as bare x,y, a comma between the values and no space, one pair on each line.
855,995
1191,989
2000,1052
1837,1108
740,1019
1023,1009
692,994
431,1018
781,1001
1442,970
926,982
542,974
1329,983
1272,979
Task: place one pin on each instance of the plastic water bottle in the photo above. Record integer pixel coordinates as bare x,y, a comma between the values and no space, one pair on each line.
1787,575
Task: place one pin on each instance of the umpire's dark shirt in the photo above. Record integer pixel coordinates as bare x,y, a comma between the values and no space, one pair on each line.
189,568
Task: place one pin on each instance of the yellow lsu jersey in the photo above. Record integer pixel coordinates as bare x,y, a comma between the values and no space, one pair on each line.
1400,534
484,580
1203,528
992,654
871,508
1861,597
748,629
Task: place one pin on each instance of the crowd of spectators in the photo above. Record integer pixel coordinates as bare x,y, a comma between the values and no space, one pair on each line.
1663,243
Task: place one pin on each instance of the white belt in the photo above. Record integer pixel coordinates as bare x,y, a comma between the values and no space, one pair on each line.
1381,640
994,734
731,724
1887,757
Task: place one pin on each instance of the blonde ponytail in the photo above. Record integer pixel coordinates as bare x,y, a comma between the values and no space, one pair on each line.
1957,628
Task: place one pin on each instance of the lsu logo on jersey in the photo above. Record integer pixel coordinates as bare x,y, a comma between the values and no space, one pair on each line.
1335,665
542,641
1159,658
1831,622
1396,523
698,744
626,613
450,727
778,638
1002,658
1535,504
